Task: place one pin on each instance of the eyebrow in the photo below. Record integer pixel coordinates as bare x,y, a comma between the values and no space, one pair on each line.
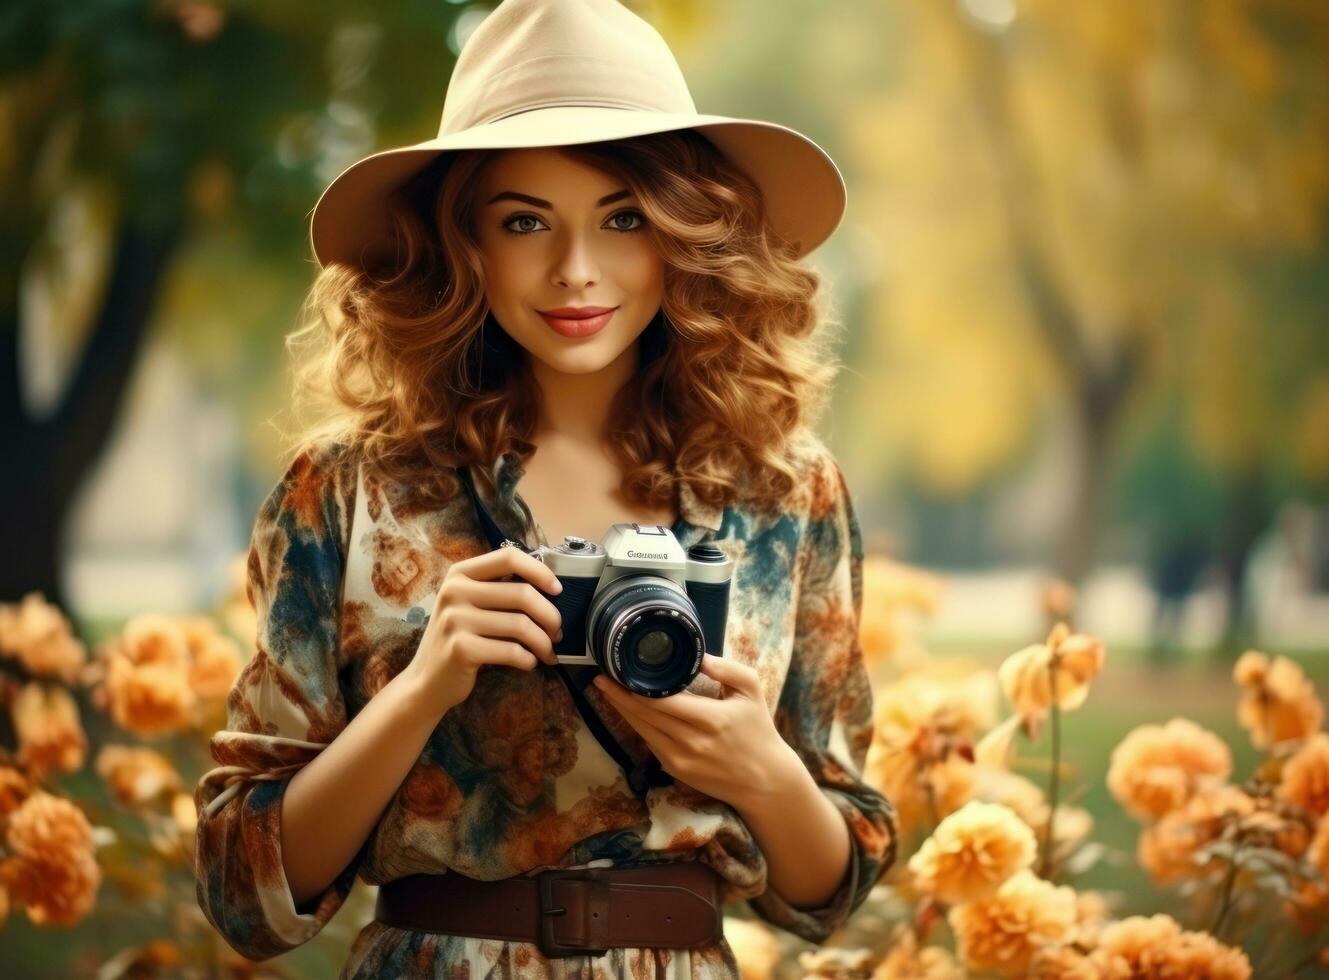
541,203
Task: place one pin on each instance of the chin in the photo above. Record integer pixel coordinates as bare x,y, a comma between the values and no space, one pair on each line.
586,359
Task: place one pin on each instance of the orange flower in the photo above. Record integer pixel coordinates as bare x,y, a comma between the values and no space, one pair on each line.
972,852
53,871
160,671
1135,943
151,638
39,636
1313,892
50,735
922,745
1157,947
1026,676
184,813
1278,702
216,664
891,592
1002,932
921,790
1166,850
1091,914
957,704
149,699
15,787
834,962
1305,776
136,774
1062,963
1271,826
1317,852
1157,768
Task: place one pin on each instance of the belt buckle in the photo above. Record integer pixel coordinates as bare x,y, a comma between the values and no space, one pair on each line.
550,913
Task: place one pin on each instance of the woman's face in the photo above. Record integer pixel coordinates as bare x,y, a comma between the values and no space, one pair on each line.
556,234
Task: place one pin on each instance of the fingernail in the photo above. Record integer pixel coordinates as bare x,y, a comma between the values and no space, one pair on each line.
559,635
557,587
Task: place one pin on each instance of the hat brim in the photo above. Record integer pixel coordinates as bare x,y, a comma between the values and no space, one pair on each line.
804,190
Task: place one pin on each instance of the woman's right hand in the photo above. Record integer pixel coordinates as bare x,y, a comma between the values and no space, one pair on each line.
489,610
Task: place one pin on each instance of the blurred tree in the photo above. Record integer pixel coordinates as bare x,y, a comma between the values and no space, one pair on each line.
1083,197
175,115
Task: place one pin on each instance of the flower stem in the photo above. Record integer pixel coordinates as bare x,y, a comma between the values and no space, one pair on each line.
1225,903
1046,864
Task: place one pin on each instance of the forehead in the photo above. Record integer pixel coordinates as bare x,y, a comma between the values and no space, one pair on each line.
546,172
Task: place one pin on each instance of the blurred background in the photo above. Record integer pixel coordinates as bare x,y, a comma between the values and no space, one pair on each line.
1083,280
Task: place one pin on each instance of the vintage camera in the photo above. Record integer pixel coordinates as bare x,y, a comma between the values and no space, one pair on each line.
639,607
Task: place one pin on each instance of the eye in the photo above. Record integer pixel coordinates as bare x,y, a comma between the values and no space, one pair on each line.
514,225
523,216
629,214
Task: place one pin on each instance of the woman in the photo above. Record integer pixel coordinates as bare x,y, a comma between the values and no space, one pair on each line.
622,328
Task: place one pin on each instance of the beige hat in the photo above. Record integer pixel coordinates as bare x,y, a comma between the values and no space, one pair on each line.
560,72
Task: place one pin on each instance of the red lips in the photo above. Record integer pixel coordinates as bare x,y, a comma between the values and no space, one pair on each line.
577,312
576,322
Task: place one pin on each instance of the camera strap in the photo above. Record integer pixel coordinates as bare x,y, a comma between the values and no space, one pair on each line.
641,776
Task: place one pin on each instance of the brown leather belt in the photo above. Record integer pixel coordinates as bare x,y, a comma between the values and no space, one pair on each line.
567,912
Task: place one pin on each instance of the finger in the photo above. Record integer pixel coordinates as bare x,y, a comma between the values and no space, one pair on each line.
501,624
657,739
515,595
691,709
647,711
732,674
494,565
503,653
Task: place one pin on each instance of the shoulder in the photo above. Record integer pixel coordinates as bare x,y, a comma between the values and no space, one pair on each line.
822,489
316,492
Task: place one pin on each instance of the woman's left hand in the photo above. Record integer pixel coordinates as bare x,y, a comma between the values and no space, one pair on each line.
726,747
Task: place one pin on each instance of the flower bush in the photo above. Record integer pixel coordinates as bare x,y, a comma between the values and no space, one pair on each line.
992,882
64,853
993,859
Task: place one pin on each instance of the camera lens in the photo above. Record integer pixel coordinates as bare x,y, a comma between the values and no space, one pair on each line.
655,648
646,636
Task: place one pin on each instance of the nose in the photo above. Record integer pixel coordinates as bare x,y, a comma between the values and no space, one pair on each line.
576,265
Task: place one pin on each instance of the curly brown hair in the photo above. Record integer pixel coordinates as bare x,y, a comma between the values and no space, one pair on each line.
404,363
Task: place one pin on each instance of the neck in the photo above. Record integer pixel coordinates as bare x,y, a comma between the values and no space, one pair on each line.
576,406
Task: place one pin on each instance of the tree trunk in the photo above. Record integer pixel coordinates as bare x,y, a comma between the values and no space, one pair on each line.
49,458
1245,518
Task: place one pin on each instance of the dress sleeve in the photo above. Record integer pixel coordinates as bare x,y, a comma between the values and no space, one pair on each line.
285,706
825,708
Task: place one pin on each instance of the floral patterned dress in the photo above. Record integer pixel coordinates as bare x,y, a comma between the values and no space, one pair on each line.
342,572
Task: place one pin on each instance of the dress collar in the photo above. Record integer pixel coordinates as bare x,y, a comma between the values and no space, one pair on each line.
696,517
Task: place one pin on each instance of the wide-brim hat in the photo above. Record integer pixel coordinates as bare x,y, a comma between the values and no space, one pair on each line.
544,73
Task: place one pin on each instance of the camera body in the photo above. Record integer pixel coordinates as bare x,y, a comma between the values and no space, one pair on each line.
639,606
